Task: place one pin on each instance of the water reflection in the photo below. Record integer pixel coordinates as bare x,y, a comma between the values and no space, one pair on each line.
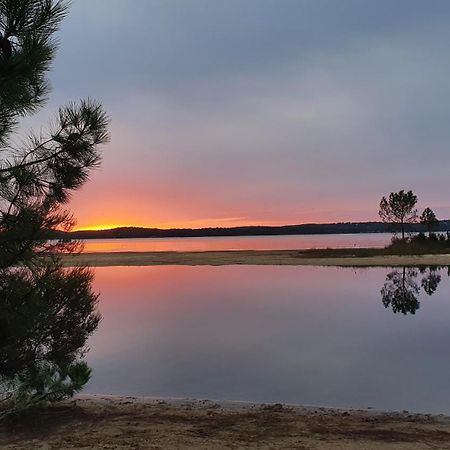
431,281
311,335
402,287
287,242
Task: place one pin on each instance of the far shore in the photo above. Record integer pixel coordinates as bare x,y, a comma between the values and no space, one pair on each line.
326,257
102,421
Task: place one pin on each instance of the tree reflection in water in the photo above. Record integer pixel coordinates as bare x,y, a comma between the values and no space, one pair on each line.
43,336
402,287
431,281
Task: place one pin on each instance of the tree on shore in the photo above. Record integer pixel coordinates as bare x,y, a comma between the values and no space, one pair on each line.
37,175
428,219
399,210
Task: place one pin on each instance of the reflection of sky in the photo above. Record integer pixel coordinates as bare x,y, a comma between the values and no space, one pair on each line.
293,334
260,111
238,243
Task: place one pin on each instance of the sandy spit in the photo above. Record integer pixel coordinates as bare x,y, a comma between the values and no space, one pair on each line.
110,422
247,257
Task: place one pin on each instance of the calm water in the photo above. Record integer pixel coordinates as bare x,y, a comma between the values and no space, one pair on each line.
238,243
310,335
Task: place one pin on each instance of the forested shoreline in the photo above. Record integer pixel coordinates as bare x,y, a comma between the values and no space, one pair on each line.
313,228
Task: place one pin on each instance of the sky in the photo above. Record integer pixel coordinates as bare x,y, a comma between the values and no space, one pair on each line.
237,112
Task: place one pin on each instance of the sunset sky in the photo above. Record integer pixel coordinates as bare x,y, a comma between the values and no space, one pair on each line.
231,112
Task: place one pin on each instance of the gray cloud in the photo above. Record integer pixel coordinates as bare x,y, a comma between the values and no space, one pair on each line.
277,104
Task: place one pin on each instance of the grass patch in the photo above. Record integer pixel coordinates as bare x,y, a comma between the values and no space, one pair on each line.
394,249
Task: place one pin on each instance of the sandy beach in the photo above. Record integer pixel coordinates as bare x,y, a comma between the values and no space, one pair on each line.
110,422
253,257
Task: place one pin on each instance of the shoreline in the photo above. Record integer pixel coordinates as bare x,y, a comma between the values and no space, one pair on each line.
241,405
128,422
326,257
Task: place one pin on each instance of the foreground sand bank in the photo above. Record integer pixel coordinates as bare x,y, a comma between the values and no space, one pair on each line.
254,257
139,423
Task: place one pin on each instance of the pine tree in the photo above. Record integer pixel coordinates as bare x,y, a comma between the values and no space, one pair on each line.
37,175
399,210
429,219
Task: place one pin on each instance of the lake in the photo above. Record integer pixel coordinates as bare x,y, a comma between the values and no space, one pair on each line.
311,335
293,242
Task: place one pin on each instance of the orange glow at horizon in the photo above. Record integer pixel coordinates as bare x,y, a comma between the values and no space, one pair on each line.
219,223
206,223
100,227
104,204
87,221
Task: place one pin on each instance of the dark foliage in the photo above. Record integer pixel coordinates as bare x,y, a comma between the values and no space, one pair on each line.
398,211
306,229
45,320
428,218
46,312
422,243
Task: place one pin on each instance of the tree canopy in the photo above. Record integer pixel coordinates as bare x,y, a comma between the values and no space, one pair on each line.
37,174
399,210
428,218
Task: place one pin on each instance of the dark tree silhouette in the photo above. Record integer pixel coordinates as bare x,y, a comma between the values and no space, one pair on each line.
428,219
37,175
399,210
43,336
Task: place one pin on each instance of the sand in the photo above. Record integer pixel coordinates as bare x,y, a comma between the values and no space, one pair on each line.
250,257
107,422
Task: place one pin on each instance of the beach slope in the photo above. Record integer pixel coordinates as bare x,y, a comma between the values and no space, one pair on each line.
137,423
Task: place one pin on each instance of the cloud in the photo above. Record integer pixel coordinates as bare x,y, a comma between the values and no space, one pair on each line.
264,109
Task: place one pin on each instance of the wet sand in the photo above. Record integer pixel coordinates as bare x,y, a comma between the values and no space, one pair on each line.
109,422
254,257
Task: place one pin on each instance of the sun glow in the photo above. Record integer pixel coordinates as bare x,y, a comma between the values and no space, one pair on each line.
199,223
100,227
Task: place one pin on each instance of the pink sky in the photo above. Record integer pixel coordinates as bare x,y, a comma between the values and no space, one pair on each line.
254,112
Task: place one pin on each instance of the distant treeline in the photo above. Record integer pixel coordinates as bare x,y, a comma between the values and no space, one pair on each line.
313,228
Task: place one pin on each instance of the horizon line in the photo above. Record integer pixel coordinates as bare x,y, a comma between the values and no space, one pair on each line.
121,227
